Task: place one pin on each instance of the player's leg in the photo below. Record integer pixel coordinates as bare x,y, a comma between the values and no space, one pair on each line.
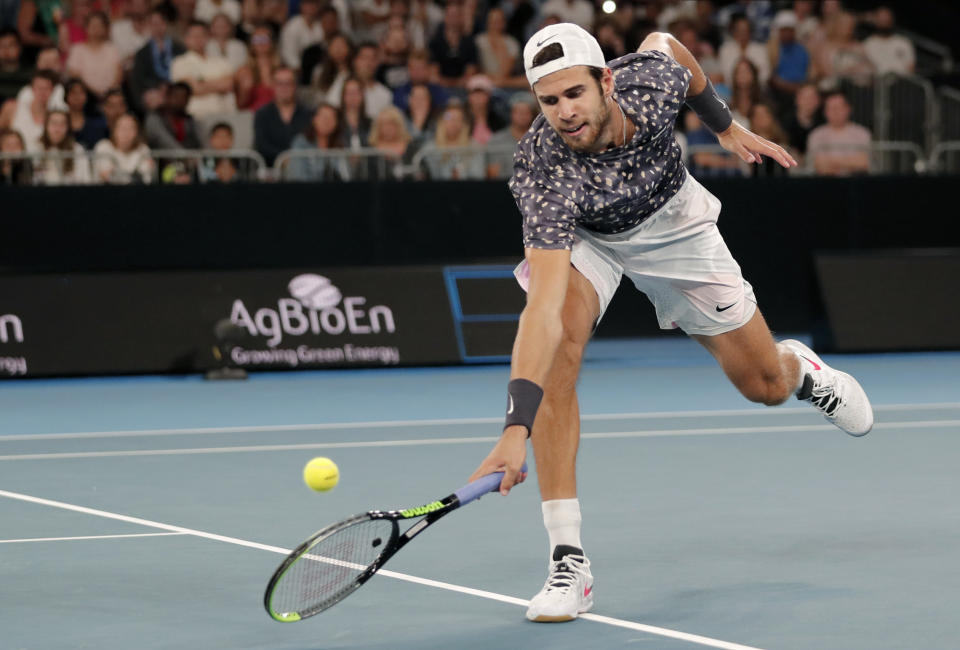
768,372
762,370
556,437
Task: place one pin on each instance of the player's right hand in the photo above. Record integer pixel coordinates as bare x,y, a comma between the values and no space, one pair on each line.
508,456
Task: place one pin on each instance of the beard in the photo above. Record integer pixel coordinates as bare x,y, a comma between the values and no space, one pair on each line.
587,138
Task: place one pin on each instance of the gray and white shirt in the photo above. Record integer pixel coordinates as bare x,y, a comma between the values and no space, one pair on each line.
558,189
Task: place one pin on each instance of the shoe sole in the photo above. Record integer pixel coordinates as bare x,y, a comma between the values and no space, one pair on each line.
802,349
543,618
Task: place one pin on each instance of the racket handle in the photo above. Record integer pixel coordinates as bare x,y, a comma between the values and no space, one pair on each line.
476,489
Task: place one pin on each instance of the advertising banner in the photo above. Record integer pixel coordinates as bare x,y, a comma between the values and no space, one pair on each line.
105,323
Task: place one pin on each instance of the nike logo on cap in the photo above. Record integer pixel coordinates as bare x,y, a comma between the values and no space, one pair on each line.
545,40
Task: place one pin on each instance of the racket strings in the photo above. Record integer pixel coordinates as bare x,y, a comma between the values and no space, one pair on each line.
329,569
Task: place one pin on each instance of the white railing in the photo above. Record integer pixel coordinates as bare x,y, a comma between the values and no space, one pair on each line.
462,163
945,157
200,165
362,164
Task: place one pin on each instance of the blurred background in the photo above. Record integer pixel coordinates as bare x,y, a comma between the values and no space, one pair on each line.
210,185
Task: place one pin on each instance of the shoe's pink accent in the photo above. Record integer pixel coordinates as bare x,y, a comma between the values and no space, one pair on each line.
586,591
813,363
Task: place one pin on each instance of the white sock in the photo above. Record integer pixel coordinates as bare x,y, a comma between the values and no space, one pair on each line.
561,517
798,380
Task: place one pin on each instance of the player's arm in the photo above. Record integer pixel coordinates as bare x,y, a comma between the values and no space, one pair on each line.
538,337
702,97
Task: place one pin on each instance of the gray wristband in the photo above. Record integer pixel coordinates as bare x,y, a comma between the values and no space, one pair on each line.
523,400
711,110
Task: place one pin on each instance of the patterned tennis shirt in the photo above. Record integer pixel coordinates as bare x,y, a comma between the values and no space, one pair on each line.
558,189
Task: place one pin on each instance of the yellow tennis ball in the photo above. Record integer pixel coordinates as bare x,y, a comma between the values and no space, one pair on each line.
321,474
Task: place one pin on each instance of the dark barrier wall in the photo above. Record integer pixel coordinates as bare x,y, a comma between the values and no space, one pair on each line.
773,226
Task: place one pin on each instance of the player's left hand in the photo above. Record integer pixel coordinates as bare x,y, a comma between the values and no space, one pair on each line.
751,147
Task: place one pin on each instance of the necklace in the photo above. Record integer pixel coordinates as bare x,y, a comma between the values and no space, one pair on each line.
623,117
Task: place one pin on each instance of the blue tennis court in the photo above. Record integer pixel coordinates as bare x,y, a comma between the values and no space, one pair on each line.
149,512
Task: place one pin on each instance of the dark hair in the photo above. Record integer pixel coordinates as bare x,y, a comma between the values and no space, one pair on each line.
328,68
182,85
49,75
736,18
198,23
102,16
9,31
113,91
162,11
553,52
365,45
221,125
835,93
336,138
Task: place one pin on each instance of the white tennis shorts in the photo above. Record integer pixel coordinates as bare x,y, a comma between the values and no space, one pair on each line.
677,258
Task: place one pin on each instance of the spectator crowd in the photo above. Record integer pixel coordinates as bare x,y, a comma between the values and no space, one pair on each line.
110,91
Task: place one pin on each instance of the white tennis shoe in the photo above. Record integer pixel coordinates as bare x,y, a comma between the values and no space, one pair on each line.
568,591
835,394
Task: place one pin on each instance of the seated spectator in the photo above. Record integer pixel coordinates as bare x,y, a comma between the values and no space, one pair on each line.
222,44
579,12
610,39
839,147
498,51
739,46
29,120
224,169
482,116
124,158
887,51
73,28
453,132
356,120
38,26
314,55
421,115
114,105
87,125
13,74
370,18
49,60
208,10
523,109
301,32
323,134
842,56
210,78
276,124
807,21
705,156
790,61
763,123
376,95
97,62
172,127
392,70
328,77
66,163
151,63
390,137
132,32
183,11
255,77
703,51
746,90
804,118
418,69
18,171
453,52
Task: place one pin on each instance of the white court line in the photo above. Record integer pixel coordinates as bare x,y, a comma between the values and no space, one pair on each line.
606,435
640,627
384,424
67,539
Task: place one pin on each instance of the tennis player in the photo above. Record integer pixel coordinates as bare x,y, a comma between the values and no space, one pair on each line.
603,192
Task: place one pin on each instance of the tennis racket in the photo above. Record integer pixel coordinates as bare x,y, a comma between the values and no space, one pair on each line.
339,559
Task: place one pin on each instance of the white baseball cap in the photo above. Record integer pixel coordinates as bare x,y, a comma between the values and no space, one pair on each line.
579,48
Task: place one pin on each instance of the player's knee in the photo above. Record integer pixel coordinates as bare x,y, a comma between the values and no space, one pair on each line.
764,389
